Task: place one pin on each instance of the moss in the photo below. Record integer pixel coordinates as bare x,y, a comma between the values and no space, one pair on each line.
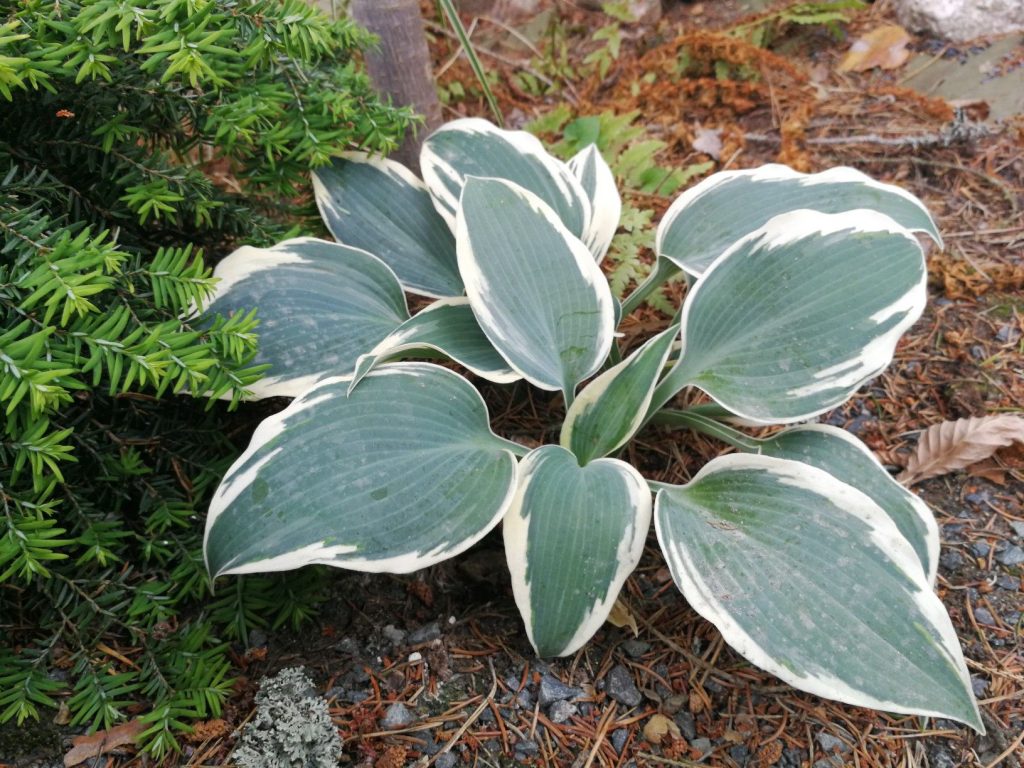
31,739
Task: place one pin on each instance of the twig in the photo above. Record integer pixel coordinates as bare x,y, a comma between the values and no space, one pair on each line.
421,763
956,133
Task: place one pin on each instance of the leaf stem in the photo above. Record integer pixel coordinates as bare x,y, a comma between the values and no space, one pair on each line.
662,272
707,426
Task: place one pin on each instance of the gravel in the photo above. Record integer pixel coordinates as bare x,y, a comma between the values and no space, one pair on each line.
552,689
561,711
1011,556
619,685
831,744
397,716
619,737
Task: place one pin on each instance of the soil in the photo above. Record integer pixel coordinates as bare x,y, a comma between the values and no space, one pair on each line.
448,644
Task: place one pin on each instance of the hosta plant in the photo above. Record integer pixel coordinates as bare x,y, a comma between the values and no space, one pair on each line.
812,562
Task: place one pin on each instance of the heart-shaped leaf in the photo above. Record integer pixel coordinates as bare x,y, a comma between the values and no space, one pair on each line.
402,474
809,579
321,305
572,536
707,219
534,287
796,316
474,147
380,206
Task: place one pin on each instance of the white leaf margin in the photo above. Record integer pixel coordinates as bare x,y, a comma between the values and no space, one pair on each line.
779,172
605,201
884,535
516,531
320,553
878,353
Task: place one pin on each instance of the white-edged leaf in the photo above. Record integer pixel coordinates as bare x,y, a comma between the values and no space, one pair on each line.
598,182
709,217
402,474
846,458
794,317
472,146
534,287
449,327
612,407
380,206
572,536
321,305
807,578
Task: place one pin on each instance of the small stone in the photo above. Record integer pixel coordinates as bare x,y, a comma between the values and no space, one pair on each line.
673,704
983,616
552,689
561,711
980,548
951,560
447,760
257,638
961,19
425,634
620,686
793,757
1018,528
740,753
830,744
526,748
1006,581
979,685
687,725
635,648
829,762
394,635
1011,556
619,737
397,716
939,756
524,699
702,745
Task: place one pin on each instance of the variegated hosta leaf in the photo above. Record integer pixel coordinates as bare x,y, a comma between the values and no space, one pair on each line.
534,287
809,579
612,407
398,476
449,327
321,306
708,218
845,457
572,536
793,318
605,204
380,206
474,147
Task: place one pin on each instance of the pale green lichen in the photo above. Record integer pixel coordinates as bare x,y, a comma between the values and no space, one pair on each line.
292,727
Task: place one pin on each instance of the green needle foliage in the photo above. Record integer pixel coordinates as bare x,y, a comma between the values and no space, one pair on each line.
138,141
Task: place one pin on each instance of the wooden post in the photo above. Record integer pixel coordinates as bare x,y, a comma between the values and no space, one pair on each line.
400,66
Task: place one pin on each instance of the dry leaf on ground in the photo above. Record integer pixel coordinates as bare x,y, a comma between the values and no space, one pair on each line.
708,141
885,47
621,616
957,444
101,742
658,727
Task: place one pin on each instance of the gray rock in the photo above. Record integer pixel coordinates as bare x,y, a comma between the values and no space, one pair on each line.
561,711
830,744
447,760
961,19
980,548
702,745
292,726
829,762
1018,528
394,635
526,748
620,686
687,725
979,685
257,638
951,560
397,716
1011,556
552,689
524,699
983,616
635,648
619,736
740,753
939,755
1006,581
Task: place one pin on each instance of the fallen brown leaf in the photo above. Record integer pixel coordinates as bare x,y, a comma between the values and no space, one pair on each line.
660,726
708,141
885,47
101,742
621,616
957,444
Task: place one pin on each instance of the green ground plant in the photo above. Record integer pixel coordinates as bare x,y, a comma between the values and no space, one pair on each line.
138,142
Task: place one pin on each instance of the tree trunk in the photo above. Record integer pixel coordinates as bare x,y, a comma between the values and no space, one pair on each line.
400,66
